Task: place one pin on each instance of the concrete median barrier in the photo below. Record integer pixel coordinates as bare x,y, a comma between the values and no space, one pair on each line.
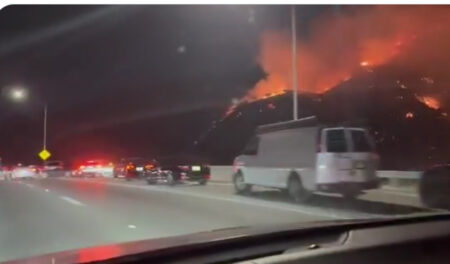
400,178
392,178
221,173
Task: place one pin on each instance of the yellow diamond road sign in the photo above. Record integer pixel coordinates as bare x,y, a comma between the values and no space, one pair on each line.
44,154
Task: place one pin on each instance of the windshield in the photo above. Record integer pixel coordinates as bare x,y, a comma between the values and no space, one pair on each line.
155,121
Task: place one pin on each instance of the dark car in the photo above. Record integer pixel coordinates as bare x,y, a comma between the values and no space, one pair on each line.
133,168
179,169
54,168
434,186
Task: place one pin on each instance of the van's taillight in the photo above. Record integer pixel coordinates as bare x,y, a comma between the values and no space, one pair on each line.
207,176
237,164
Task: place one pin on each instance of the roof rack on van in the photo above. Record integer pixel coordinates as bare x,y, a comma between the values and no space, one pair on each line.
303,122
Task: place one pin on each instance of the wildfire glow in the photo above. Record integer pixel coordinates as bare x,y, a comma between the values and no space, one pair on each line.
429,101
339,45
364,63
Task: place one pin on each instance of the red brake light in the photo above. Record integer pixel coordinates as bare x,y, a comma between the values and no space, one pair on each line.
207,176
99,166
149,166
185,168
82,167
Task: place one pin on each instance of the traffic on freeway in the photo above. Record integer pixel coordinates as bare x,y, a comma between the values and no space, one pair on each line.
224,134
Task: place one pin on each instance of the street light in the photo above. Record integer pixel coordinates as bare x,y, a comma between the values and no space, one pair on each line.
18,94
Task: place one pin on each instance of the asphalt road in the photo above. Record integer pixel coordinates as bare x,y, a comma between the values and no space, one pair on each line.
49,215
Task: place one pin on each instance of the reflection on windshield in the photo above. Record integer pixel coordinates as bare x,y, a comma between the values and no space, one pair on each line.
126,123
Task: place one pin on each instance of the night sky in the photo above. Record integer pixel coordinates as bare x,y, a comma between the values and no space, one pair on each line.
126,80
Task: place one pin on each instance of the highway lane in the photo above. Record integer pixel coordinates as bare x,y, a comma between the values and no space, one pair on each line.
48,215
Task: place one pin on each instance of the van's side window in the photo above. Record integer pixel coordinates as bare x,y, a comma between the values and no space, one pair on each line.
252,147
336,140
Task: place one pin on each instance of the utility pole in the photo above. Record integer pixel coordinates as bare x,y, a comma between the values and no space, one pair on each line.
294,65
45,127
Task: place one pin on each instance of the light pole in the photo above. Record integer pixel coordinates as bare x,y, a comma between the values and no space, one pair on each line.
20,94
45,127
294,64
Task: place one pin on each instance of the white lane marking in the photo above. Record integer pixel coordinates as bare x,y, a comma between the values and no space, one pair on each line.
47,190
72,201
132,226
30,185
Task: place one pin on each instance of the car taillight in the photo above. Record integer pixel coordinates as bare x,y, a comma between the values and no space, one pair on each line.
82,167
207,176
129,167
149,166
99,166
185,168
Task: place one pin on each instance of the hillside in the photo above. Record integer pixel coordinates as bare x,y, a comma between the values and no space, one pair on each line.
408,133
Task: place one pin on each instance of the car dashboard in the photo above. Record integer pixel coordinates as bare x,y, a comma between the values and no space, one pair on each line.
423,239
397,241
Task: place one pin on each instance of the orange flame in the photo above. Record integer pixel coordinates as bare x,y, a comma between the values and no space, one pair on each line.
339,45
429,101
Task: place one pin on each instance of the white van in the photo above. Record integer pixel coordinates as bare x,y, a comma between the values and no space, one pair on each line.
303,156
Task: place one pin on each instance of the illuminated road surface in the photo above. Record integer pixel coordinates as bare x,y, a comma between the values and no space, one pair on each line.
48,215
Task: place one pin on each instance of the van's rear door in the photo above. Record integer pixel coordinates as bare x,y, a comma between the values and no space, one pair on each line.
362,153
346,155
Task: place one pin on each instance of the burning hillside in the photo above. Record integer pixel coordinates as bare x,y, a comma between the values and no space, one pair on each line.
339,44
402,123
386,65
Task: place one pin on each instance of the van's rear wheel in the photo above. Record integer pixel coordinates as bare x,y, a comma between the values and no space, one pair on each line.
296,190
239,184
